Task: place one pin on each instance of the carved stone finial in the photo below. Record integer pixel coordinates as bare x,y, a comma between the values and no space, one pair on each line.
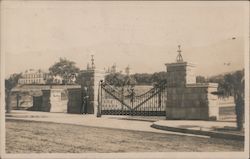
179,56
92,62
127,70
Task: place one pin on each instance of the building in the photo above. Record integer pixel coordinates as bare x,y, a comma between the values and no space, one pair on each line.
32,76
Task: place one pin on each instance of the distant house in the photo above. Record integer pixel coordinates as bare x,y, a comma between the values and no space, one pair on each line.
32,76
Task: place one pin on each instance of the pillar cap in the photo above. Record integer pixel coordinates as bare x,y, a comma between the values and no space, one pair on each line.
215,85
180,64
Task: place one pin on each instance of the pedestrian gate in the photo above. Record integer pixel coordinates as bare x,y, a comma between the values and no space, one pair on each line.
120,101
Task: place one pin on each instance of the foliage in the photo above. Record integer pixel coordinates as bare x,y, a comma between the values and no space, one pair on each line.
143,78
10,83
232,84
65,69
158,77
229,83
200,79
119,79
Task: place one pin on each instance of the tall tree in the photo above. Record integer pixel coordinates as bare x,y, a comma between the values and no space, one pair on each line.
10,83
65,69
200,79
143,78
158,77
116,79
237,90
232,84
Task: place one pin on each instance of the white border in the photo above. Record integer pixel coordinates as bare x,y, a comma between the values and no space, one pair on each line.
2,86
177,155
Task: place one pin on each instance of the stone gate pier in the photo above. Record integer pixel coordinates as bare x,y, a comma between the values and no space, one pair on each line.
187,99
90,87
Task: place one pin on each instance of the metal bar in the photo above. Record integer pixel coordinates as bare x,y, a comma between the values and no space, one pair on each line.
117,98
147,99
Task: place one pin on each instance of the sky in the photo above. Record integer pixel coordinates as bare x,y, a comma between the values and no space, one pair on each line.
143,35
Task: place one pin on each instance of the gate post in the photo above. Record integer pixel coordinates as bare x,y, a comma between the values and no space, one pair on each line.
186,99
91,79
74,104
17,101
99,99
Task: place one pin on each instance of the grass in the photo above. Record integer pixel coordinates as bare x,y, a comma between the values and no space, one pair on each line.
42,137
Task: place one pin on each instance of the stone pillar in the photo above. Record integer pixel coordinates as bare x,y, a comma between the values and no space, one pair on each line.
179,74
46,105
57,104
13,100
75,104
213,101
187,99
91,79
37,103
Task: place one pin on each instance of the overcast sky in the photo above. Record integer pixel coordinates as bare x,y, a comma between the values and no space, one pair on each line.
143,35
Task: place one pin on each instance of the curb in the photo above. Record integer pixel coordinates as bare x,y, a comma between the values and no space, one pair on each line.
26,116
146,120
199,132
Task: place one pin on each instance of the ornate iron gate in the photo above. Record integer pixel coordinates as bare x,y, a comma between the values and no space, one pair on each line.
118,101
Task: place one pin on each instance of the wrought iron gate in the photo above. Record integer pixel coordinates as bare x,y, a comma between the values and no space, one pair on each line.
118,101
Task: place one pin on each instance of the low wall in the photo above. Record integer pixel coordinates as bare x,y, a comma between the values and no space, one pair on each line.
192,102
46,105
48,98
58,104
227,109
25,101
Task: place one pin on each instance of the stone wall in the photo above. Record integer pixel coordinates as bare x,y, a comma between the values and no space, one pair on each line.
25,100
46,105
180,74
192,102
48,98
75,104
37,103
227,109
187,99
58,104
50,101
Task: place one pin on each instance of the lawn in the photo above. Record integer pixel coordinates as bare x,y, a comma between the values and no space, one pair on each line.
42,137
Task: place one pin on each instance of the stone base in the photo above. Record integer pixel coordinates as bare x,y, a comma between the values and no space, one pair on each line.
187,113
92,107
75,104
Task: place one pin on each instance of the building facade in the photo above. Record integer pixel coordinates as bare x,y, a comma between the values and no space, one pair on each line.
32,76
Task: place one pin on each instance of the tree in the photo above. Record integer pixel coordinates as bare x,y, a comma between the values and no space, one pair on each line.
158,77
10,83
200,79
236,86
143,78
116,79
232,84
138,78
65,69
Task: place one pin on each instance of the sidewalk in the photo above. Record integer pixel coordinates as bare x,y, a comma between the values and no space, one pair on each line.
226,130
136,123
106,121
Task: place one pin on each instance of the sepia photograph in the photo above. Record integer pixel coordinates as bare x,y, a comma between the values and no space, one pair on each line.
124,79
